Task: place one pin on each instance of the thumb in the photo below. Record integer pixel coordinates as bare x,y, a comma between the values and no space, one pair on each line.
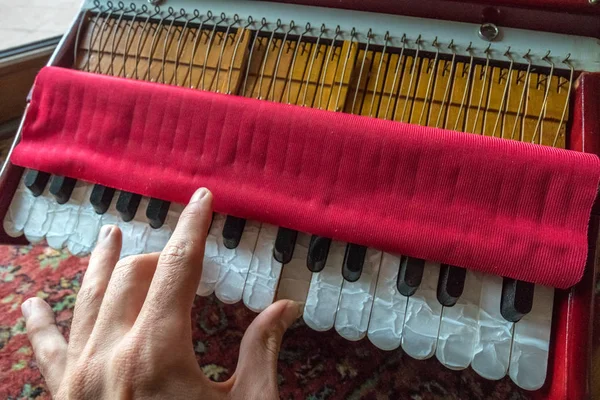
256,373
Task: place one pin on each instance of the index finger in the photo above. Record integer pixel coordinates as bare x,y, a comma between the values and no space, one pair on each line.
179,268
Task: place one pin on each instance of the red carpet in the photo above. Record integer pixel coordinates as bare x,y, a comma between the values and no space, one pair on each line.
312,365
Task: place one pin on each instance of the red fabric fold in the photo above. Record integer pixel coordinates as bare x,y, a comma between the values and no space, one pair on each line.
498,206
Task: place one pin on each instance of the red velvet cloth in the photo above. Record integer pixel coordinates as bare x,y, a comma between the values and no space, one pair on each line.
499,206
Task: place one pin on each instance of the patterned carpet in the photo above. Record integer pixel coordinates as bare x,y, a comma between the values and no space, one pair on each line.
312,365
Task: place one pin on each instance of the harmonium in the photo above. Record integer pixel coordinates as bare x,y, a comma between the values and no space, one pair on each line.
421,174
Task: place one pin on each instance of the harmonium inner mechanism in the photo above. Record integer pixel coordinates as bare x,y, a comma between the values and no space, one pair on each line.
517,92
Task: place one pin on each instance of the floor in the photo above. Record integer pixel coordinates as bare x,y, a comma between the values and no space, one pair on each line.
26,21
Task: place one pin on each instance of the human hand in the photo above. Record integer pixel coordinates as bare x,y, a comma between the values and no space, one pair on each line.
131,334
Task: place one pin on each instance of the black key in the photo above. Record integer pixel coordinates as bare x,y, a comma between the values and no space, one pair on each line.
284,245
101,198
450,284
127,205
156,212
517,299
232,231
318,249
354,259
61,188
410,275
36,181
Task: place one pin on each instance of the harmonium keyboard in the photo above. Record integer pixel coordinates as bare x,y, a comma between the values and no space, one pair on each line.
422,173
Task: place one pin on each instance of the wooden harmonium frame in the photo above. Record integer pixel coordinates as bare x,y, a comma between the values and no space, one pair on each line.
465,139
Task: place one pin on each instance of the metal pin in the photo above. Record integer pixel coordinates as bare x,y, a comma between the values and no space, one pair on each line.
433,69
154,43
291,71
545,103
524,95
92,39
412,76
337,100
485,75
270,44
197,36
186,32
362,67
447,90
114,37
292,26
396,73
233,57
464,97
263,25
102,29
386,39
236,19
145,31
208,47
166,44
327,60
128,45
312,62
78,35
501,111
564,112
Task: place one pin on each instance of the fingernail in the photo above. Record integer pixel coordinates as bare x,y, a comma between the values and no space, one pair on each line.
199,195
26,309
104,232
293,311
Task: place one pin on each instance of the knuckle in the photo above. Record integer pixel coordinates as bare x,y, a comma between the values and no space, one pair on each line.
271,338
175,253
91,293
47,355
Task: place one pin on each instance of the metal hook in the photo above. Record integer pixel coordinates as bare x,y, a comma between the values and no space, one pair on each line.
292,26
566,106
167,43
395,92
184,31
208,47
233,57
78,35
447,89
432,68
524,93
386,39
270,44
209,16
545,102
312,62
412,76
362,67
505,95
236,19
139,44
154,43
263,25
103,28
128,44
291,70
464,97
327,60
484,78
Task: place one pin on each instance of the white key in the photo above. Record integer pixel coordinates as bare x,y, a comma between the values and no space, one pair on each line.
158,238
111,216
40,217
423,315
214,257
264,272
136,231
389,306
233,273
356,300
18,211
295,276
458,328
65,217
324,291
531,342
492,349
84,236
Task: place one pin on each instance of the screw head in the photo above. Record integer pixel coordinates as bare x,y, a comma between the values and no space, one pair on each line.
488,32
